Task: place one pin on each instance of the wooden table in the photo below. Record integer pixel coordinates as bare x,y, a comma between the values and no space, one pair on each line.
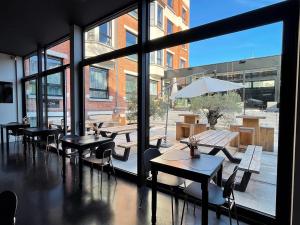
179,163
190,118
80,143
218,140
112,132
252,121
8,127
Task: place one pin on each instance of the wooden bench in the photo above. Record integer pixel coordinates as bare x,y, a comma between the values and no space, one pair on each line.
128,145
249,164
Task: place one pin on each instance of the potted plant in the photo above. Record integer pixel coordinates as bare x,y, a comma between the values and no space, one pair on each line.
216,106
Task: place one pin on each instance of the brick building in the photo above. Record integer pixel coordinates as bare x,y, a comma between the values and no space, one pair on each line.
108,84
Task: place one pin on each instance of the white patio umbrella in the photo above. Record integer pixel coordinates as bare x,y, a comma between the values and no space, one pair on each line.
206,85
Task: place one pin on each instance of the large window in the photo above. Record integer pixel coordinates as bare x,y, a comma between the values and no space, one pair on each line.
131,39
169,27
30,101
169,60
170,3
153,87
160,16
117,83
243,57
131,85
98,83
54,87
105,33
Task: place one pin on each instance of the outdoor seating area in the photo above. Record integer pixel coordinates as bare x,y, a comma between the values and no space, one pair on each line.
139,112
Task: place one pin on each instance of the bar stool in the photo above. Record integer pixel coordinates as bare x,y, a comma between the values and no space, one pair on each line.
246,131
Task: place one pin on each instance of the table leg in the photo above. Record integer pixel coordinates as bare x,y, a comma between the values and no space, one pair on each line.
7,139
204,187
2,141
64,163
219,183
80,168
127,137
154,195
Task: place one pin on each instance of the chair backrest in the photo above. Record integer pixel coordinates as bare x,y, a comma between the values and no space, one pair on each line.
229,185
149,154
8,207
105,150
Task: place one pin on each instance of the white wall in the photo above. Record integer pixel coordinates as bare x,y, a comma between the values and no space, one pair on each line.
8,111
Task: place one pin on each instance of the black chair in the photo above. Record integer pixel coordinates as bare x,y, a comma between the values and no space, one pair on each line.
171,181
217,196
102,156
15,132
8,207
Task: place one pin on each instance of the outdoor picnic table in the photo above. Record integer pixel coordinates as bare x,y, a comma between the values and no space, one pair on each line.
112,132
218,140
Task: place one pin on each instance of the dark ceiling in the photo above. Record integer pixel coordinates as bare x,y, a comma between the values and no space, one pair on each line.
25,24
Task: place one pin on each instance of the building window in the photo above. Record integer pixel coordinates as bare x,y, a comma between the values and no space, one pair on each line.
98,83
105,33
160,16
54,87
170,3
152,57
183,15
169,60
169,27
53,62
153,87
131,39
131,86
33,65
134,13
152,14
182,63
159,57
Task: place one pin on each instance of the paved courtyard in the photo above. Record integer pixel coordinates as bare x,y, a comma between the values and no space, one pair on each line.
261,191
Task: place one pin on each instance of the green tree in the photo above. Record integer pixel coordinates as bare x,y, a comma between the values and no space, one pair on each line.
158,107
215,106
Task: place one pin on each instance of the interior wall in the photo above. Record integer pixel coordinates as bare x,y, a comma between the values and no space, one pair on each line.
8,111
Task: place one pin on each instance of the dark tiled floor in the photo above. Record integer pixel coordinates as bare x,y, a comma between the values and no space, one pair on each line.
44,200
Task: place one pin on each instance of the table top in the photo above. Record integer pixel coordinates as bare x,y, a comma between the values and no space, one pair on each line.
84,140
250,117
213,138
179,161
14,124
39,130
118,129
191,115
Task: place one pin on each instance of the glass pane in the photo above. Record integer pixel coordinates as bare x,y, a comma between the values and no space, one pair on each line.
111,101
58,55
30,100
118,33
182,15
53,99
251,57
31,65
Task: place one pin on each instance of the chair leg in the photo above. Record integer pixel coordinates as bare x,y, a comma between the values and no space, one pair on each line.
113,168
235,213
101,176
184,201
172,209
229,213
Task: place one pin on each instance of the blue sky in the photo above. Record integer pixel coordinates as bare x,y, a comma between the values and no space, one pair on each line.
257,42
